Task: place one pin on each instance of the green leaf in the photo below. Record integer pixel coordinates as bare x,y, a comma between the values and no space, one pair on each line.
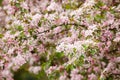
1,2
55,75
46,65
30,31
99,4
85,46
42,75
19,28
35,36
70,67
98,17
12,31
22,36
59,54
1,35
39,23
67,6
80,61
17,5
102,79
93,51
23,74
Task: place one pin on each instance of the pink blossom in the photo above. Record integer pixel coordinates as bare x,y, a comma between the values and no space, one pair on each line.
18,61
105,7
57,30
68,40
88,33
11,9
92,77
35,20
64,19
7,74
5,2
77,77
63,77
51,69
117,60
35,69
109,43
96,69
89,69
75,71
24,5
52,6
41,48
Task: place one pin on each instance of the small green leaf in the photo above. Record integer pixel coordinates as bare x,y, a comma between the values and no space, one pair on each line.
80,61
1,2
19,28
22,36
67,6
102,79
1,35
54,76
17,5
35,36
46,65
12,32
70,67
59,54
42,75
98,17
39,23
74,50
85,46
99,4
93,51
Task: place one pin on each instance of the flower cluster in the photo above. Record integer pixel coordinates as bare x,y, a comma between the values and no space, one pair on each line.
60,39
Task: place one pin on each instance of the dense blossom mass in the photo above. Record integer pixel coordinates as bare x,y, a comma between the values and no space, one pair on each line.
60,39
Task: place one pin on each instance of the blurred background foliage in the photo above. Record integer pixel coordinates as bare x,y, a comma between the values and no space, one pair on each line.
24,74
1,2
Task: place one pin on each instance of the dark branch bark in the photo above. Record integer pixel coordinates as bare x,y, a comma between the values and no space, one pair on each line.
62,25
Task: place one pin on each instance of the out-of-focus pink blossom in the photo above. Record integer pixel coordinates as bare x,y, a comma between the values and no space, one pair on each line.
25,5
18,61
51,69
35,20
57,30
63,77
75,76
5,2
35,69
92,77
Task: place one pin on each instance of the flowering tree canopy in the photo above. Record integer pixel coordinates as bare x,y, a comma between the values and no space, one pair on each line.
60,39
